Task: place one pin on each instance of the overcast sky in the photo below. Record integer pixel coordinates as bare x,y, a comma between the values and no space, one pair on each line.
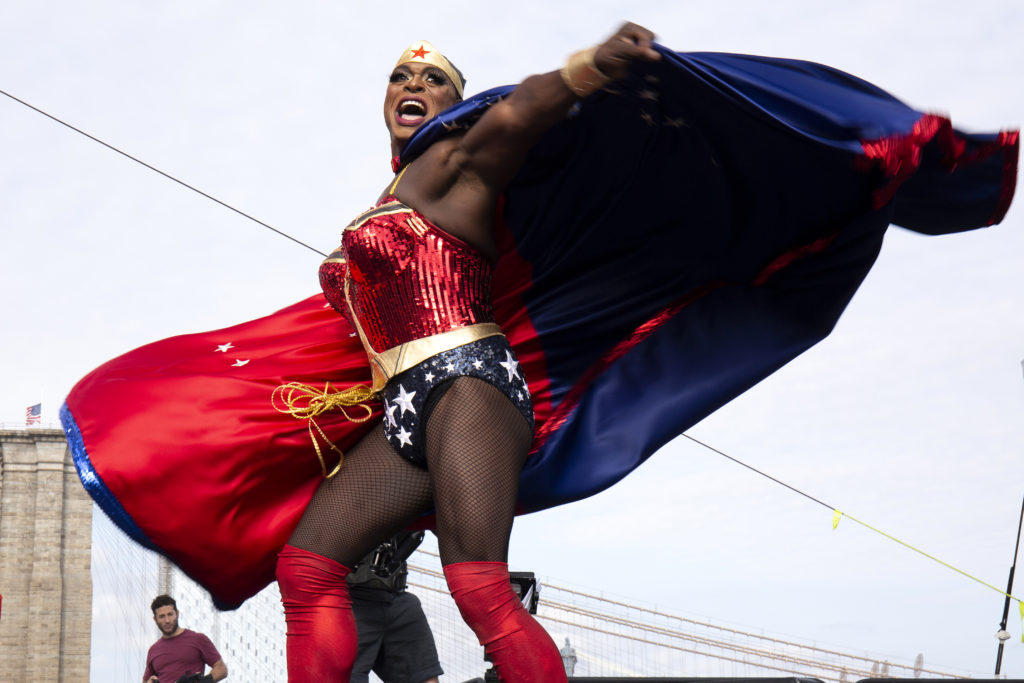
909,417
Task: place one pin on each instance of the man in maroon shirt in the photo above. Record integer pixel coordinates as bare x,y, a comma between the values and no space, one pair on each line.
180,656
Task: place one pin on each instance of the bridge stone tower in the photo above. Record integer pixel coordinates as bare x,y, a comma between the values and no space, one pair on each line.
45,551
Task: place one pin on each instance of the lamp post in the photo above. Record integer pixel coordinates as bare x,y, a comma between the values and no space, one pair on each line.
1003,635
568,658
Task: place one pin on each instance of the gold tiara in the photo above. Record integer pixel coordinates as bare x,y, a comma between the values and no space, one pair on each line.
422,52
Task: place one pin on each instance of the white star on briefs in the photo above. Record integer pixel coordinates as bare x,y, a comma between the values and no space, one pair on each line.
239,363
511,365
478,364
429,377
450,367
404,400
389,410
403,437
223,348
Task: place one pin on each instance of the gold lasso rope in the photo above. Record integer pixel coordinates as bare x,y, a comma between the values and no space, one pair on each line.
304,402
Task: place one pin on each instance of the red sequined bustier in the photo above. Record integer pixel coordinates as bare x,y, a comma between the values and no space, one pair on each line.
398,278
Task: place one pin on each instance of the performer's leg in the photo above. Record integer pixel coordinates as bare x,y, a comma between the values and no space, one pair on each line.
522,651
321,642
477,442
375,494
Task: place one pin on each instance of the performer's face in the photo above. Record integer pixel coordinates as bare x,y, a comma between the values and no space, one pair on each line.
416,93
166,619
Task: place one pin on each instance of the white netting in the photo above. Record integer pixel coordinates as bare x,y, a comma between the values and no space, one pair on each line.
608,637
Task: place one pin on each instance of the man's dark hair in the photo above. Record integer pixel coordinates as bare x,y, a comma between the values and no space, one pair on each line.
163,601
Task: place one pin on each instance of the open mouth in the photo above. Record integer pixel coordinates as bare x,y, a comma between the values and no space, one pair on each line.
411,112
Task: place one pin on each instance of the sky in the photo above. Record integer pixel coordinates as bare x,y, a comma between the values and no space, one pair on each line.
910,416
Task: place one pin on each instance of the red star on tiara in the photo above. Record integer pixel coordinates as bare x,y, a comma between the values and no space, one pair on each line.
420,53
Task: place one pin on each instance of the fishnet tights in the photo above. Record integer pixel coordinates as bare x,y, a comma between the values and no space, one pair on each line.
477,442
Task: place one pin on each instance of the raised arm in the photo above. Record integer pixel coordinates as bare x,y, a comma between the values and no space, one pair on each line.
496,146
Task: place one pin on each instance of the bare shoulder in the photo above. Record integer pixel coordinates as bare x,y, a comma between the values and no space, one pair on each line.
431,175
441,181
441,186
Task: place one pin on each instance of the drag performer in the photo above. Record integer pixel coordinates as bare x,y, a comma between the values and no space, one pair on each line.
413,274
561,277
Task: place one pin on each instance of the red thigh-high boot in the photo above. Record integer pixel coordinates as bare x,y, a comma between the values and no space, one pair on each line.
522,651
321,629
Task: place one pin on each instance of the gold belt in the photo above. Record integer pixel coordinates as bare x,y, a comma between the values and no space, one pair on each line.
398,359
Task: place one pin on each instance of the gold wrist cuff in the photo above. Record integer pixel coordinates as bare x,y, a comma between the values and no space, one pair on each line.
581,74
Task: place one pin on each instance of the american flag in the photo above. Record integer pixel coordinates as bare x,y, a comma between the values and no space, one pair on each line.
34,414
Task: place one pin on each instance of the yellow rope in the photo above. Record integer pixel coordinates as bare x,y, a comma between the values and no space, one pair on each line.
304,402
837,515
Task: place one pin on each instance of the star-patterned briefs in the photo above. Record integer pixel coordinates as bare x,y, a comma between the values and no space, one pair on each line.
405,396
